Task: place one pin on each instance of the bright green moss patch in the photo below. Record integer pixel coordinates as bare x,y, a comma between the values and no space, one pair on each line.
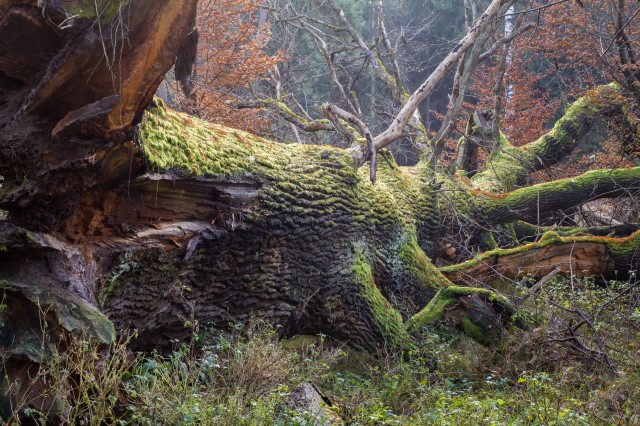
625,252
388,320
505,169
172,141
421,268
432,313
450,296
550,237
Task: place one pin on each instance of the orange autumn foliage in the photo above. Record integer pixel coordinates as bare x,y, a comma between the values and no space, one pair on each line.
232,56
570,51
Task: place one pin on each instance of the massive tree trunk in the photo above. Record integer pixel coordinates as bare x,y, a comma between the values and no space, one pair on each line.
175,221
119,218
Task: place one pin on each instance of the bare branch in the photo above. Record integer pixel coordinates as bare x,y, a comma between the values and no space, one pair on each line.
394,132
285,112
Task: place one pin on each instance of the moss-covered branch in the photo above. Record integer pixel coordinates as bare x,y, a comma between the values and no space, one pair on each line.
509,166
579,256
480,313
534,202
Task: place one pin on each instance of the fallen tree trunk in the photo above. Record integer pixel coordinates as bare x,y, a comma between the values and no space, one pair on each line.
223,226
579,256
110,228
122,219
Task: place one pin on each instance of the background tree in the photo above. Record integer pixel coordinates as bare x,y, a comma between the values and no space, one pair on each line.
367,71
231,58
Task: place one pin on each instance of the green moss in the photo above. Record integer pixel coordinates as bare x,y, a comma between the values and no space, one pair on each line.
504,170
106,10
475,331
434,312
177,142
549,238
420,267
388,320
625,251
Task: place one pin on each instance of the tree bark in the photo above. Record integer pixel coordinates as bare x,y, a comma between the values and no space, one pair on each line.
580,256
122,218
180,221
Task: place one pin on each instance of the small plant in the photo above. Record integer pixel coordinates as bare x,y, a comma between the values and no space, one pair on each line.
83,385
246,375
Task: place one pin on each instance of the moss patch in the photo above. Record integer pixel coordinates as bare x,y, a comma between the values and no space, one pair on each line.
420,267
626,246
388,320
177,142
449,298
105,10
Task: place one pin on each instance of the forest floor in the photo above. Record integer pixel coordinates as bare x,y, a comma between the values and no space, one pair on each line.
578,364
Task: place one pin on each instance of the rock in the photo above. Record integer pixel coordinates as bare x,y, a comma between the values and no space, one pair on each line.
307,400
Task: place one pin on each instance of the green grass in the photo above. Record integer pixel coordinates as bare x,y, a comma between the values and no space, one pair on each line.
246,377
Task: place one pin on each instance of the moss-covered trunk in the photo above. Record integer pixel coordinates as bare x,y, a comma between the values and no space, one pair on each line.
159,222
291,232
176,222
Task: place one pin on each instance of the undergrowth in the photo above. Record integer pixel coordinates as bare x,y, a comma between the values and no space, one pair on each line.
576,366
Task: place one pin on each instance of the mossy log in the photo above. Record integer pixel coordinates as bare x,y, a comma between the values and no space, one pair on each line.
122,217
294,233
536,202
223,226
581,256
181,221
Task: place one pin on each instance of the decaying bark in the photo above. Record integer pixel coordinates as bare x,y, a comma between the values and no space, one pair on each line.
122,218
580,256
